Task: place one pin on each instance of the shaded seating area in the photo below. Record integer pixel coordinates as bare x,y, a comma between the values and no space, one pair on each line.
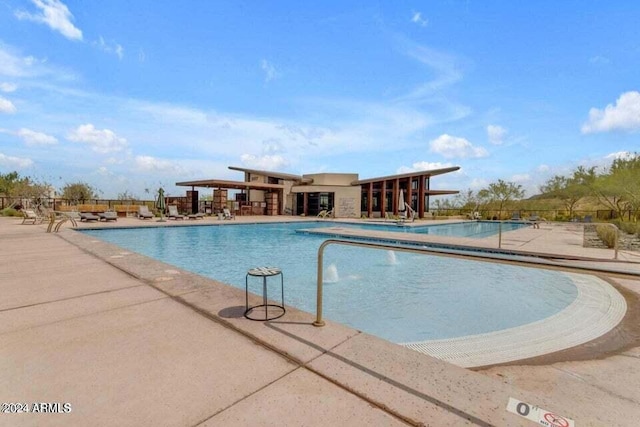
144,213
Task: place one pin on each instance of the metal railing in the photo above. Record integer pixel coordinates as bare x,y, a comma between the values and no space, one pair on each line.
319,321
607,224
478,257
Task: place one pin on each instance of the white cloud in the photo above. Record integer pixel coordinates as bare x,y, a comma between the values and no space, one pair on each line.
446,70
496,134
270,72
478,183
7,106
265,162
153,164
417,18
423,166
451,147
14,162
114,48
13,65
624,155
543,168
101,141
103,171
599,60
625,115
56,15
520,178
32,138
8,87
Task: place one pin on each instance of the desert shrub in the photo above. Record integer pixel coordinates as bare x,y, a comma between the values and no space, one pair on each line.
627,227
10,212
607,234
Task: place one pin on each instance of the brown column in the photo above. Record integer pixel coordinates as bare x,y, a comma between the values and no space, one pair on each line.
421,197
396,192
407,200
370,200
383,199
305,203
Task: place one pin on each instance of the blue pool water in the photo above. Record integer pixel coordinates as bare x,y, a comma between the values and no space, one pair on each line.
398,296
473,229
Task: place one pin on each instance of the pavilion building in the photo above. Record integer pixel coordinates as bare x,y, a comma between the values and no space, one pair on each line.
274,193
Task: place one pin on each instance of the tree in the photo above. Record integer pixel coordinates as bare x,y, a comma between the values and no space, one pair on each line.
78,191
17,187
571,189
466,200
127,196
619,187
502,193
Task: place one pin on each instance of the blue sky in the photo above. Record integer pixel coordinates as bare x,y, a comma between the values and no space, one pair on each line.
132,95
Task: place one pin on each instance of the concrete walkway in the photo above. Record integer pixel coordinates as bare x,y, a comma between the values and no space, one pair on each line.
126,340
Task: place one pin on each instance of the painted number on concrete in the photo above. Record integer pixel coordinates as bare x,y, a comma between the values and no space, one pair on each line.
538,415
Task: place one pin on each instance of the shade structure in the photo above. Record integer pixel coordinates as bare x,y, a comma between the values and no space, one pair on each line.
401,204
160,203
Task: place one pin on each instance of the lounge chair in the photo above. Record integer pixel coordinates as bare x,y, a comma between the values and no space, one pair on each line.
198,215
173,213
30,216
515,216
143,212
325,213
108,216
88,216
227,214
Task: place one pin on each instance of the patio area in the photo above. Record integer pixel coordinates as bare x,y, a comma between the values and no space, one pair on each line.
127,340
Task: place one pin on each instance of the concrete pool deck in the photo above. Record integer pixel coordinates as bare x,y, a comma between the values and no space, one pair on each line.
131,341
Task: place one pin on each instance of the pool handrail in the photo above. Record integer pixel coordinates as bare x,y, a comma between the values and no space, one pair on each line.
422,250
319,322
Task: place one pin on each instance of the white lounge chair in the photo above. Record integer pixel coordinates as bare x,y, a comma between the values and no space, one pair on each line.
227,214
30,216
144,213
173,213
325,213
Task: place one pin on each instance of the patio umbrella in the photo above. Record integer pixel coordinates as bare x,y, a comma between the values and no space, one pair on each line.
401,204
160,205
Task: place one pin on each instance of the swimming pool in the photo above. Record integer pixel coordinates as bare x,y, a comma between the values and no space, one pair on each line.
397,296
472,229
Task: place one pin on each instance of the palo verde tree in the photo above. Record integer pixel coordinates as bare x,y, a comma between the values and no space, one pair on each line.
501,193
78,192
619,187
572,188
467,199
23,188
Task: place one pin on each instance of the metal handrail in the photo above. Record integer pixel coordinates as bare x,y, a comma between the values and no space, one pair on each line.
319,321
615,228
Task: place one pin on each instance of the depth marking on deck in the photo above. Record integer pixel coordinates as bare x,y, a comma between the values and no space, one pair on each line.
538,415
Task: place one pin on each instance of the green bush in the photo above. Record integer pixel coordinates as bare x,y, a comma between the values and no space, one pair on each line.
10,212
607,234
627,227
